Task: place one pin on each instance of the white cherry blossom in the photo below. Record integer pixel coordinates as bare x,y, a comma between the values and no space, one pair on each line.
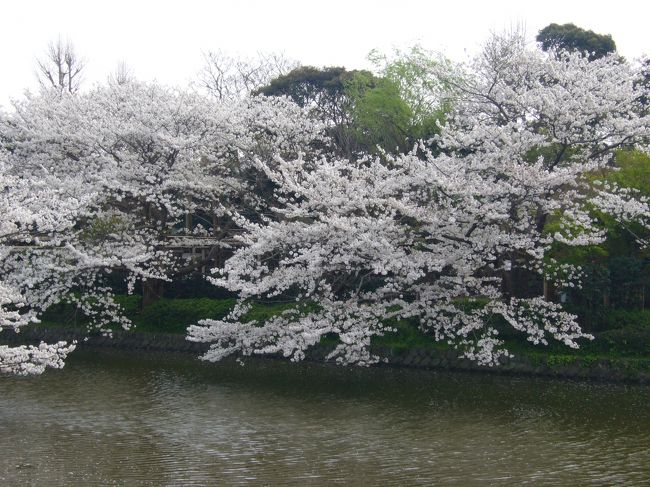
436,238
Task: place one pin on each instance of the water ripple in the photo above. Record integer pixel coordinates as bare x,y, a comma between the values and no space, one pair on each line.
147,419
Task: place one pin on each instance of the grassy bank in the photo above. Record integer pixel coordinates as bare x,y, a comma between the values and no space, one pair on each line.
622,339
165,315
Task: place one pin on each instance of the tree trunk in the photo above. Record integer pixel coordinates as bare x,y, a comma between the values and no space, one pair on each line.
548,290
642,297
152,291
507,281
215,224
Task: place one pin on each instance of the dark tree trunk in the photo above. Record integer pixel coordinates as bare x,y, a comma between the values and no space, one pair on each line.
152,291
507,284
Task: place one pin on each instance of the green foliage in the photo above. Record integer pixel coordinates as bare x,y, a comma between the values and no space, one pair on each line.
379,116
174,315
392,111
633,340
407,335
633,172
415,73
331,94
615,273
625,318
570,37
590,299
560,360
629,278
261,312
319,88
624,333
129,303
570,254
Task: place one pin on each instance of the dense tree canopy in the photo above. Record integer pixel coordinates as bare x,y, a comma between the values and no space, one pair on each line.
570,37
125,164
339,207
360,110
30,209
437,238
416,75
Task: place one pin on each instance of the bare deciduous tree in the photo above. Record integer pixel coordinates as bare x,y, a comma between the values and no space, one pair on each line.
122,74
60,67
231,78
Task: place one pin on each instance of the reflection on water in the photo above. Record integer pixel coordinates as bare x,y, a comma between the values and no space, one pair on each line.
118,418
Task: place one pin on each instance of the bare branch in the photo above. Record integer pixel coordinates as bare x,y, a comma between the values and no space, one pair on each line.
123,74
60,68
229,78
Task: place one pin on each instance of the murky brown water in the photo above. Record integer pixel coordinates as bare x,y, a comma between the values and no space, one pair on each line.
117,418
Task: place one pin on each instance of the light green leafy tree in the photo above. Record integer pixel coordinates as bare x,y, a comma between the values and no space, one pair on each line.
416,74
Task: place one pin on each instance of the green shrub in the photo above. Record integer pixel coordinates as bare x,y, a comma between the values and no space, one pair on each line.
631,340
129,303
407,334
621,318
625,332
174,315
263,311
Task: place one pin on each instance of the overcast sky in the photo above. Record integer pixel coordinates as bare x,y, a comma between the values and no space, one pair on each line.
164,40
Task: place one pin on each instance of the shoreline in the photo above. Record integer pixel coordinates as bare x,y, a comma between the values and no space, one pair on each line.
602,369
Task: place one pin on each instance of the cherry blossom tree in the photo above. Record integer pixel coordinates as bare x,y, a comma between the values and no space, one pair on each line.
137,159
436,238
28,210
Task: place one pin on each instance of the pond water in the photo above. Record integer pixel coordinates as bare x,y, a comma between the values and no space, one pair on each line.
124,418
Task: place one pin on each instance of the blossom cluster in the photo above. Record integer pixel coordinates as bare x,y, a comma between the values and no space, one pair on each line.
101,183
96,184
435,238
